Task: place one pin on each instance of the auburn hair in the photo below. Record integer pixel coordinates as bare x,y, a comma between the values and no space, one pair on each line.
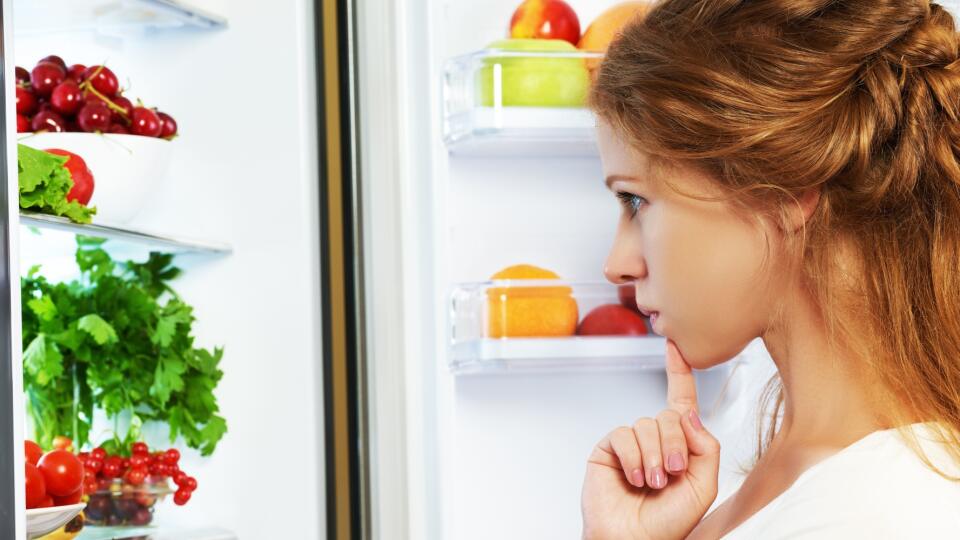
856,98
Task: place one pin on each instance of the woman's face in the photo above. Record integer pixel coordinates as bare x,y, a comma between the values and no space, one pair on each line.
697,264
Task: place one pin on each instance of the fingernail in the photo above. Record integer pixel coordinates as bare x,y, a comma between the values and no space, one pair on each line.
637,475
658,479
675,462
695,420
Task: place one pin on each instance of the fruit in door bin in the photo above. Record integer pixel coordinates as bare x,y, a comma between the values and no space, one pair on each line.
545,19
628,297
606,26
83,182
518,311
534,81
612,320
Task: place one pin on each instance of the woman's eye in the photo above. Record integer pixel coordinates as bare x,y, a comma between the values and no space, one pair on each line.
630,202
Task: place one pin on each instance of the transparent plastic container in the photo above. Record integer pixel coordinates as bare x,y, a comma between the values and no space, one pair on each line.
533,325
512,103
121,504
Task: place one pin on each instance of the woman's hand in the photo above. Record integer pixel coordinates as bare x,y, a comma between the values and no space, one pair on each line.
656,479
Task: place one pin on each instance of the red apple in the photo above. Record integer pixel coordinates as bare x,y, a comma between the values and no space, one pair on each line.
628,297
612,320
545,19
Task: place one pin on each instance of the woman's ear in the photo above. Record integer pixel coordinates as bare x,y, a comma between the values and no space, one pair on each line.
806,204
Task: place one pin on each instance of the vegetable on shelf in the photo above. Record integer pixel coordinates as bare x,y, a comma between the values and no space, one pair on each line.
45,184
118,339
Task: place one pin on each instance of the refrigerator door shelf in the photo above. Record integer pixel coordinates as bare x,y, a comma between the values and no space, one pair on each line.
517,104
524,355
36,17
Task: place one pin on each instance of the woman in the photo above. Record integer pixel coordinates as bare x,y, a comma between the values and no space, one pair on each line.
789,170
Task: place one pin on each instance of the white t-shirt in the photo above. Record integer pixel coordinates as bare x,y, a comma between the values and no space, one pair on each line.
876,488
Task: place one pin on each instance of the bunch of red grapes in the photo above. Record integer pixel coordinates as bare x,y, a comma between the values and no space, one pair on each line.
55,97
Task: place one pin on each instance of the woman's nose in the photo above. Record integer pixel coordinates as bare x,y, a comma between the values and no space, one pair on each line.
624,264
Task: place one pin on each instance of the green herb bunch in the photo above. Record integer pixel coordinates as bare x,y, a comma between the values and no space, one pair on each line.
117,339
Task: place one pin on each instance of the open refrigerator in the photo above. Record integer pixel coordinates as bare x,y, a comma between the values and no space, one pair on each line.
238,205
476,433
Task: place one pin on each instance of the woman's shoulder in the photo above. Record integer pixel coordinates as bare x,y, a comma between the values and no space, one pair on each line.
878,488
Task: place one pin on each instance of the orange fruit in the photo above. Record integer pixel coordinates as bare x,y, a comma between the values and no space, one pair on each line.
605,27
540,311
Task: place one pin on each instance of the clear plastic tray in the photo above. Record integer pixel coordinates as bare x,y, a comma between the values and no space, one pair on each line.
532,325
511,103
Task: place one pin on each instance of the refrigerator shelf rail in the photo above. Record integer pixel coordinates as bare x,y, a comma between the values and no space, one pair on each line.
519,104
36,17
140,238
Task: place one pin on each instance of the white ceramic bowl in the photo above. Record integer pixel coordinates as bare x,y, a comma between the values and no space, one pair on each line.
126,168
41,521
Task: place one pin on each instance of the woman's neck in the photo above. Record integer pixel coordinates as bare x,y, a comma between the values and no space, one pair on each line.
827,392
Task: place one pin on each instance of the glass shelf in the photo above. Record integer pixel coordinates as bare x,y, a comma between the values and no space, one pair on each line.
108,16
141,239
516,104
520,355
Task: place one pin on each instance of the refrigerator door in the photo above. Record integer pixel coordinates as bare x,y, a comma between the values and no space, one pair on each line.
12,503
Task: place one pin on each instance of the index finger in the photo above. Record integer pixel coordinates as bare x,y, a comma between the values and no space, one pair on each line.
681,385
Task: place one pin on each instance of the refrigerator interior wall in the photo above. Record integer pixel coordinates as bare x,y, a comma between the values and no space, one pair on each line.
513,447
244,173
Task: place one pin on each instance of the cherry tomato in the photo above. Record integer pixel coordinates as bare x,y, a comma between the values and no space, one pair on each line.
99,453
190,483
62,472
32,452
111,469
139,460
139,448
182,496
73,498
90,486
171,456
94,464
179,478
135,476
36,486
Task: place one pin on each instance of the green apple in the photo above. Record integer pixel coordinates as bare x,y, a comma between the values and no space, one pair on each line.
535,80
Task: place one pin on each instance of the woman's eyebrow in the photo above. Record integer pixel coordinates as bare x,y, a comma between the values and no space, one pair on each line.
615,177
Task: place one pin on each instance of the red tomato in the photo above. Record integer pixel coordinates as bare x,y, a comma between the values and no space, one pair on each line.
99,453
32,452
139,448
82,178
72,498
171,456
545,19
60,442
62,472
36,487
135,476
181,497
